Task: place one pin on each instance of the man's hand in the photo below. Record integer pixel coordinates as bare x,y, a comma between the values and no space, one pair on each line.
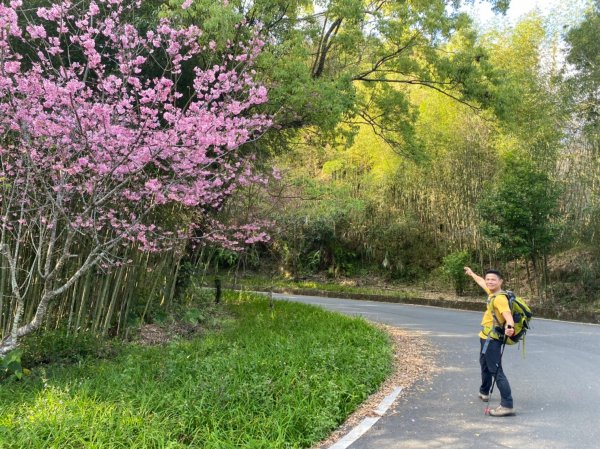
509,331
480,281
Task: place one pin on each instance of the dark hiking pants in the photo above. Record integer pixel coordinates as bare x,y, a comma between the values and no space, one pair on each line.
491,367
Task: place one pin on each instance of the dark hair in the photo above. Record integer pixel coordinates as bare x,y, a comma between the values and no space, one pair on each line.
496,272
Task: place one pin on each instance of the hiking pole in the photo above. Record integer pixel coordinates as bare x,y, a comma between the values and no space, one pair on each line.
486,410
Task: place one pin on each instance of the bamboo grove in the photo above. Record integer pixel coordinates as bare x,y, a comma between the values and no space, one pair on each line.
104,301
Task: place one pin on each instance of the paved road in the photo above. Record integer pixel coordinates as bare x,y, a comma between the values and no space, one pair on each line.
556,388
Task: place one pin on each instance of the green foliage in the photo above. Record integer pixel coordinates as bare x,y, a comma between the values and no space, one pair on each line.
307,244
273,378
225,258
581,89
584,55
60,347
453,267
197,305
408,248
345,61
11,366
518,210
194,316
198,296
381,161
414,202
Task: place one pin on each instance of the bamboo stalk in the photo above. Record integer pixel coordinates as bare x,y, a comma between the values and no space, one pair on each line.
130,280
101,300
171,293
72,308
84,297
116,288
151,294
4,314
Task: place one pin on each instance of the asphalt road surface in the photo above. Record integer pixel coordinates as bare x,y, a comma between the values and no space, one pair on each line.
556,387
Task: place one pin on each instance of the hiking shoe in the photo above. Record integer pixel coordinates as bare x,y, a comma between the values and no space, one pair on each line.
502,411
484,397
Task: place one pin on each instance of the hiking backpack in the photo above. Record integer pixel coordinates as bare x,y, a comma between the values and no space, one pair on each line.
521,313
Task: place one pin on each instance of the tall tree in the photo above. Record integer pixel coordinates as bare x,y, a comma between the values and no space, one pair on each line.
584,57
341,60
518,211
580,167
95,150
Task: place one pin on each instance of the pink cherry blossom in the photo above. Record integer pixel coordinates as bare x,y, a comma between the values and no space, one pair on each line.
97,147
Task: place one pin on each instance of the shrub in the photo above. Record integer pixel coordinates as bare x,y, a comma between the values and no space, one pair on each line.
10,365
453,268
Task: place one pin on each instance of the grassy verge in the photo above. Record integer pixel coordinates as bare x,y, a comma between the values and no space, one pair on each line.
261,282
281,378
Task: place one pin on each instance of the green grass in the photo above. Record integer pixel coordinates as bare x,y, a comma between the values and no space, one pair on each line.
281,378
263,282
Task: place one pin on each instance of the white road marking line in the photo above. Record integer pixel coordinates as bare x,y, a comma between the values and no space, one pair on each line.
367,423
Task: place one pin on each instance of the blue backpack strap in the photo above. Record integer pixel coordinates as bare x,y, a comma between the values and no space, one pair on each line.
487,343
489,338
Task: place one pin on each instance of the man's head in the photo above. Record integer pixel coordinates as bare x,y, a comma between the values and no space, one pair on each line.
493,280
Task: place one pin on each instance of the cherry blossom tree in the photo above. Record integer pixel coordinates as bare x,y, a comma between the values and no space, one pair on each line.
93,148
